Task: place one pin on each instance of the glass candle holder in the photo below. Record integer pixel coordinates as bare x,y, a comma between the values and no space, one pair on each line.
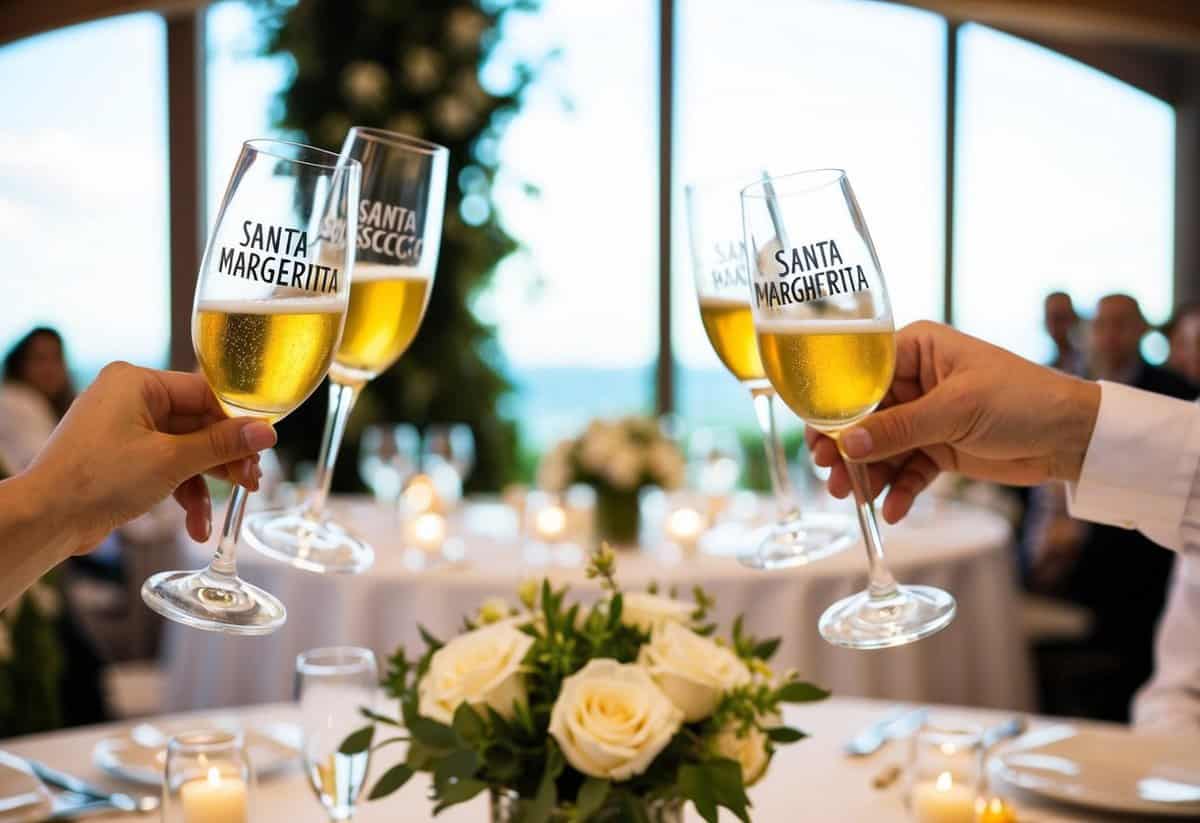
944,772
208,778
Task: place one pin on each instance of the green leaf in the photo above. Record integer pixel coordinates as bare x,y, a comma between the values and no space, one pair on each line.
378,718
389,742
636,809
785,734
501,763
357,741
615,608
693,784
457,765
725,782
392,779
797,692
542,806
766,649
737,628
432,642
591,797
432,733
460,791
468,725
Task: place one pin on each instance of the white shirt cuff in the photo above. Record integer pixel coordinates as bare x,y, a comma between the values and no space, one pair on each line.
1140,470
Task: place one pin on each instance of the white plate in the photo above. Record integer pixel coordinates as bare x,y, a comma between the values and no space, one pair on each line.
23,798
1109,769
139,754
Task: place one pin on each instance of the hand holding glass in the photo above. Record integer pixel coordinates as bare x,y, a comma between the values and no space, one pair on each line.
825,332
270,302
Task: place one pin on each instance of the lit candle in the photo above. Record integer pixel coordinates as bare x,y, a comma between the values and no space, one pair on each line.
684,527
420,495
550,523
429,531
994,811
215,799
943,801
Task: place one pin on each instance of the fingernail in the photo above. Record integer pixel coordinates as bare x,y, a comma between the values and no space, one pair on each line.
258,435
856,443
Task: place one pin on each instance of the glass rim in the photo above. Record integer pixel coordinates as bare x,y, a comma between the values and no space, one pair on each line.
962,734
268,146
394,138
822,179
203,741
332,660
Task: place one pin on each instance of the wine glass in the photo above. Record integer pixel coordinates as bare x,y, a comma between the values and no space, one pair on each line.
332,685
723,289
828,345
399,234
270,302
387,458
453,443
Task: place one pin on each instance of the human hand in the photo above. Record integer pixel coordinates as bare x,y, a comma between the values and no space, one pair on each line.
959,404
134,437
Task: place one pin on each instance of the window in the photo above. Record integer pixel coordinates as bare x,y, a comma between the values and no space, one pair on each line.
576,310
1065,180
83,190
854,85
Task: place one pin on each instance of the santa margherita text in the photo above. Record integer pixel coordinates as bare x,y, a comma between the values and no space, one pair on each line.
275,254
811,272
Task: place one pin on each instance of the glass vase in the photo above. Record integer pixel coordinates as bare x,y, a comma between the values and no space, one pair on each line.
509,807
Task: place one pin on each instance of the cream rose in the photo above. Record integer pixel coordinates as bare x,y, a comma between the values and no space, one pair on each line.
649,611
692,670
611,720
747,747
482,667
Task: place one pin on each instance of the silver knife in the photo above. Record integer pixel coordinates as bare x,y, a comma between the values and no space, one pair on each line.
898,723
1012,727
116,800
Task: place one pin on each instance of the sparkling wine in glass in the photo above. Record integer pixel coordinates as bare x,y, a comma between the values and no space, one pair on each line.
828,346
722,279
269,307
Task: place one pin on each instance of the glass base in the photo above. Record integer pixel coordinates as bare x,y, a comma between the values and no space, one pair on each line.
214,602
320,546
803,539
909,614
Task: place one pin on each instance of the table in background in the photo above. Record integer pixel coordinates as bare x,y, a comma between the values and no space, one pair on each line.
812,780
980,660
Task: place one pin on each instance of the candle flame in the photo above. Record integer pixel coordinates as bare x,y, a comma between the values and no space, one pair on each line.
420,494
429,529
944,782
551,521
685,524
214,776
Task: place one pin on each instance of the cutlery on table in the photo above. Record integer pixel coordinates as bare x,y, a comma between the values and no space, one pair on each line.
93,797
1013,727
899,723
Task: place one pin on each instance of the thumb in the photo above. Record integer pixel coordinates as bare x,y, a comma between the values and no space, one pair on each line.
928,420
221,443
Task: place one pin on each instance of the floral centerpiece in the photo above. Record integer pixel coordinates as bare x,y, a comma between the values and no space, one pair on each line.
617,458
31,662
620,711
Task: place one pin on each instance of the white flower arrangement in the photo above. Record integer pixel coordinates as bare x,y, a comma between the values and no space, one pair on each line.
614,455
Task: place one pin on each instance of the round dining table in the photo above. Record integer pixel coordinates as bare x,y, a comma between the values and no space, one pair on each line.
981,659
813,780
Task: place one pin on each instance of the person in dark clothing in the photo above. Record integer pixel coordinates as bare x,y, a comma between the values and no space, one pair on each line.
1126,599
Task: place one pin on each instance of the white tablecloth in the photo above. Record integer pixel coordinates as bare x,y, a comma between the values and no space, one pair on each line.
811,781
980,660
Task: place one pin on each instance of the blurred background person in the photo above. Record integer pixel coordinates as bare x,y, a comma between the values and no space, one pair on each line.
36,393
1183,333
1062,325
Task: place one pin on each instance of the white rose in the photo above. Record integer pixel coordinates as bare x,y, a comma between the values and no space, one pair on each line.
666,464
6,648
693,670
597,445
611,720
624,467
482,667
650,611
749,749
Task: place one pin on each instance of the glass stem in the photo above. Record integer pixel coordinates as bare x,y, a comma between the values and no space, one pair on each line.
224,561
786,504
342,397
880,583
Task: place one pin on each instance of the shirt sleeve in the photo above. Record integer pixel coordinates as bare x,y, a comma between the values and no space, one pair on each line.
1140,470
1170,702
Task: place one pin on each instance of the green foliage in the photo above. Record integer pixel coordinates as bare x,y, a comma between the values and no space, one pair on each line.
412,66
481,749
31,663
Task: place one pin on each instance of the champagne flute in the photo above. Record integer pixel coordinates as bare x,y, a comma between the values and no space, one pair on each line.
723,289
828,346
399,233
270,303
332,684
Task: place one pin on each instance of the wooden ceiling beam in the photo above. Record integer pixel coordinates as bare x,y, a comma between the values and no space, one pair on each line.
25,18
